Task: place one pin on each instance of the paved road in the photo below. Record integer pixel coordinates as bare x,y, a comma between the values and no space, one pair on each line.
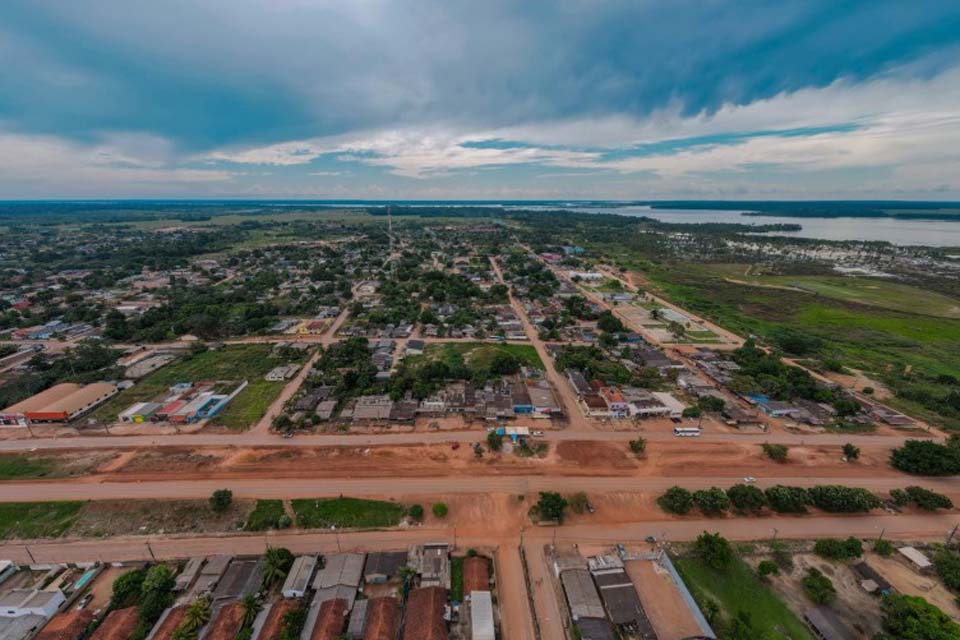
114,488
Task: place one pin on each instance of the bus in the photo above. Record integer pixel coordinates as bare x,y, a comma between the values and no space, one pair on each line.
686,432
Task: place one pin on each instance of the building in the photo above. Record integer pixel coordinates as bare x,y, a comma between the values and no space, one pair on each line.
872,581
582,594
543,400
60,403
826,624
30,602
299,576
384,566
375,407
118,625
675,406
481,616
190,572
414,347
476,575
616,403
339,579
432,562
382,619
281,373
331,620
920,562
595,629
7,569
424,614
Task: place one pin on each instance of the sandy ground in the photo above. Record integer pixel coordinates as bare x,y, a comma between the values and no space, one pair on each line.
906,580
661,600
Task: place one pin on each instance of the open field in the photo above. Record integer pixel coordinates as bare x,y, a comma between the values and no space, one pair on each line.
479,355
37,520
29,466
737,589
234,363
265,515
350,513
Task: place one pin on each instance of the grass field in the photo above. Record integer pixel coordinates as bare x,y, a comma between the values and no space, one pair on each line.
456,578
27,520
13,467
235,363
350,513
480,354
265,515
736,589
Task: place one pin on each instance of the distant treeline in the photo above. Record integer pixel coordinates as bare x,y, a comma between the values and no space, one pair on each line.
827,208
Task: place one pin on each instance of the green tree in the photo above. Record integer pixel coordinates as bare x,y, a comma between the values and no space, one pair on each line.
928,500
742,628
494,441
785,499
416,512
839,499
913,618
440,510
836,549
251,607
676,500
747,498
126,589
850,452
638,446
883,548
768,568
776,452
220,500
947,564
713,550
196,616
276,564
551,506
712,501
926,458
818,587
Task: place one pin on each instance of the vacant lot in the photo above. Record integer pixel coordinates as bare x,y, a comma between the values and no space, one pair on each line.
737,589
233,363
351,513
479,355
265,515
20,466
131,517
37,519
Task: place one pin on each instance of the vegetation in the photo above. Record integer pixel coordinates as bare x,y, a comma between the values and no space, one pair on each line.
276,565
341,513
768,568
927,458
494,441
835,549
928,500
220,500
839,499
883,548
947,563
712,501
913,618
440,510
197,615
638,446
456,578
818,587
676,500
265,515
151,590
776,452
17,466
850,452
28,520
551,506
747,498
784,499
713,550
416,512
578,502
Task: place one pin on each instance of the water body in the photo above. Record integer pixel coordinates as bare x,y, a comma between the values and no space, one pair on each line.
931,233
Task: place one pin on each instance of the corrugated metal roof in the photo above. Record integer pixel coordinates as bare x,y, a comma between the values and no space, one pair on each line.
481,616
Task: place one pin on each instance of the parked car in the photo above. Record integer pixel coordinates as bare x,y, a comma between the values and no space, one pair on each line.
749,480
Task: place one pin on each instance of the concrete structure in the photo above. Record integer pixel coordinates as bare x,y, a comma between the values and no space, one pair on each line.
299,576
432,562
30,602
481,616
917,559
281,373
581,594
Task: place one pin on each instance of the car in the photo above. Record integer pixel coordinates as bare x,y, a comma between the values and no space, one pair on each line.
84,601
287,435
537,434
651,539
676,420
749,480
590,508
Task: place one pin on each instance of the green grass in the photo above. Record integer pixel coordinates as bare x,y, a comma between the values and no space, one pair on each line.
265,515
456,578
28,520
352,513
18,466
735,589
235,363
481,354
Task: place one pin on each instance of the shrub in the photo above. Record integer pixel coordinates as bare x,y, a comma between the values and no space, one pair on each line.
839,499
284,522
676,500
494,441
691,412
836,549
551,506
440,510
883,548
712,501
913,618
578,502
416,512
784,499
638,446
220,500
768,568
776,452
713,550
851,452
745,497
926,458
899,497
928,500
947,564
818,587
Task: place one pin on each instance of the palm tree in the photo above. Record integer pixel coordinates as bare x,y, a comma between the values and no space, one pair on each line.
276,564
251,607
197,615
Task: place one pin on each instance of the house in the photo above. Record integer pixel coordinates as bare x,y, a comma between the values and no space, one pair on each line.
299,576
581,594
190,572
331,619
872,581
481,616
424,614
432,562
374,407
773,408
543,400
383,566
30,602
282,372
916,558
521,398
325,409
826,624
382,619
7,569
476,575
415,347
579,383
675,406
340,578
616,403
595,629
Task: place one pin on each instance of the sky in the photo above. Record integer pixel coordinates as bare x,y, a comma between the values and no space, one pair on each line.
451,99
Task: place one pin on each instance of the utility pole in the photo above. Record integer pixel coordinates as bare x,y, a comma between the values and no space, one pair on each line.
150,549
27,549
952,533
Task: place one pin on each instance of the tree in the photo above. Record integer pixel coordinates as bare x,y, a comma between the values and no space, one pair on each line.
928,500
899,497
926,458
784,499
251,607
742,628
836,549
220,500
776,452
835,498
711,403
551,506
197,615
276,564
913,618
691,412
638,446
818,587
883,548
440,510
578,502
416,512
676,500
947,564
768,568
747,498
712,501
850,452
494,441
713,550
126,589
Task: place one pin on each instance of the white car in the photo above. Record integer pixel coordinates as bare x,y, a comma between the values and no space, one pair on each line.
749,480
537,434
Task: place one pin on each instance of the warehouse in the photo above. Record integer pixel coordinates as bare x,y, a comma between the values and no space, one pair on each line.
59,403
